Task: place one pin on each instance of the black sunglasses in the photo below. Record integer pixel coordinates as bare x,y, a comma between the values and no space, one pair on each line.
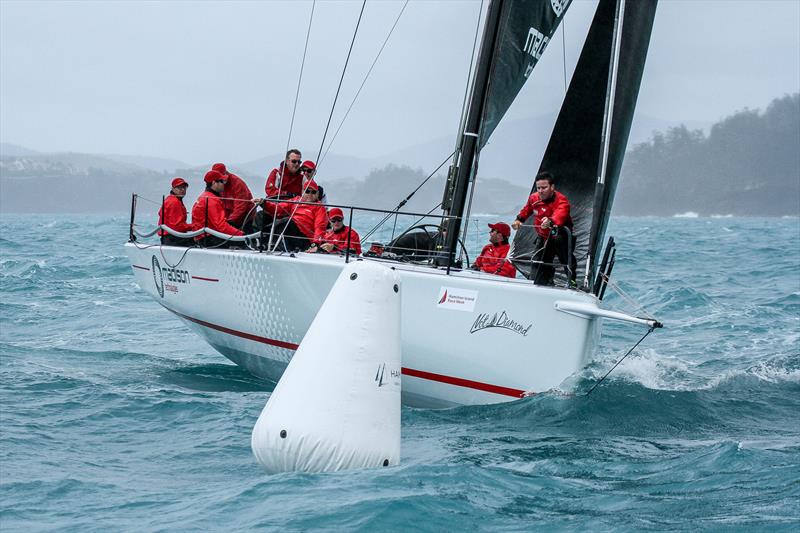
295,161
220,181
337,219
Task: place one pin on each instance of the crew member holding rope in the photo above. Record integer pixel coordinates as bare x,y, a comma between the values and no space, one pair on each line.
173,215
236,199
551,213
492,259
208,211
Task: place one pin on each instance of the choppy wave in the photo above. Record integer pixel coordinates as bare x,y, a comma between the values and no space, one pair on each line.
115,417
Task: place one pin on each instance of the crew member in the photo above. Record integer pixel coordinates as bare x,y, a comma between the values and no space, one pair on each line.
493,256
286,180
209,212
551,216
173,215
300,223
236,199
335,239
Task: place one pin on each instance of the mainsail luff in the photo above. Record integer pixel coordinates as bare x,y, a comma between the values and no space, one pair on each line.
516,33
469,137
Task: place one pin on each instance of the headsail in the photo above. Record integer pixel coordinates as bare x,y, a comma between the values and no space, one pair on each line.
526,27
585,172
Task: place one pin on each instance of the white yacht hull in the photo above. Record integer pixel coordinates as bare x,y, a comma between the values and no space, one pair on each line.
467,338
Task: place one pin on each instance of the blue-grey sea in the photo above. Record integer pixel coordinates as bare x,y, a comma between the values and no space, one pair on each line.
114,417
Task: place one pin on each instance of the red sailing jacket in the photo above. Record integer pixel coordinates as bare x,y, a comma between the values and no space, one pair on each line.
556,209
311,219
493,260
236,198
288,183
339,240
174,215
216,215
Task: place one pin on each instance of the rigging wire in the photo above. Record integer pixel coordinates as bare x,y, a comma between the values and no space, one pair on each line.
407,198
281,167
469,77
300,78
649,331
320,160
344,71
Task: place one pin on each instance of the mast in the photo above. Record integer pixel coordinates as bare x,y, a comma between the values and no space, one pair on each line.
465,159
602,165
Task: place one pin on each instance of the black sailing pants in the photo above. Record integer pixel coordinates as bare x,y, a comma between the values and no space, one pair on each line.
293,239
555,245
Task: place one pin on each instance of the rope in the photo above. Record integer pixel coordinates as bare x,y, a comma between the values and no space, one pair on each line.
320,160
649,331
300,78
344,71
407,198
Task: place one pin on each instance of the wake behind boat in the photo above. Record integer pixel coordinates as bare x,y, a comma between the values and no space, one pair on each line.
466,337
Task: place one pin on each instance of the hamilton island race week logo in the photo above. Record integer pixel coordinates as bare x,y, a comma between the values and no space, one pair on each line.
501,320
384,377
158,277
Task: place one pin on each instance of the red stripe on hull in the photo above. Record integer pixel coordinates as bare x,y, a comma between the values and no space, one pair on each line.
460,382
141,268
204,279
430,376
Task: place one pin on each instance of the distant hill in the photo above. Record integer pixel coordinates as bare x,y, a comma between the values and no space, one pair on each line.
747,165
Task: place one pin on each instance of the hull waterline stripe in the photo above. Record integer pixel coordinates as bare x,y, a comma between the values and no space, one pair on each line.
248,336
460,382
205,279
141,268
430,376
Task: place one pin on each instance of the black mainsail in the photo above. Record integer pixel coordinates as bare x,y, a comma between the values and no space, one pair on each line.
590,136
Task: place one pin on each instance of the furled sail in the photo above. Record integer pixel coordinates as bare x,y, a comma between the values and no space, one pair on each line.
585,163
526,27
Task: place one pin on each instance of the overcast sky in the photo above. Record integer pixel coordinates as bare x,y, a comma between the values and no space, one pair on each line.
201,81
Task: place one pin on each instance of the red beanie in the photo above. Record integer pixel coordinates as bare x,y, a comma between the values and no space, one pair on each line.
220,167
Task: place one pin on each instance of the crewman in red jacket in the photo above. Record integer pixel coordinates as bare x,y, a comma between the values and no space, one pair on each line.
551,216
236,198
493,256
335,239
208,211
301,224
173,215
286,180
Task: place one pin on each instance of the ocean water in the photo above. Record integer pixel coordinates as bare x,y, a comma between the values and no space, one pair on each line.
114,417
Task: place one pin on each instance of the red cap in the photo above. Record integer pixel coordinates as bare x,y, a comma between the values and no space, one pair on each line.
335,212
220,167
179,182
310,184
309,164
212,176
502,228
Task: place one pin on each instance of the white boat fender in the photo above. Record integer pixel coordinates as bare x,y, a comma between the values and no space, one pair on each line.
337,405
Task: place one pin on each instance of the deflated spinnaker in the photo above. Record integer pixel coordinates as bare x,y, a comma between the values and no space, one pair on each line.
590,136
337,405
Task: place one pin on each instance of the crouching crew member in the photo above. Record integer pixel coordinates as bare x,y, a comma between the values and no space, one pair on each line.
208,211
493,256
236,199
300,224
335,239
551,212
173,215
